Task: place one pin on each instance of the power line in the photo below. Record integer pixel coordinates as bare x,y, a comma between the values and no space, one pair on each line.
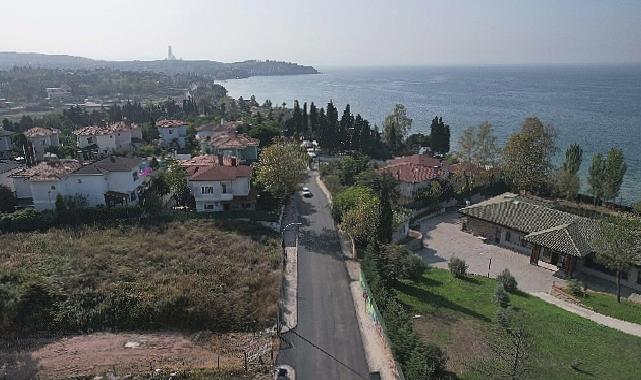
328,354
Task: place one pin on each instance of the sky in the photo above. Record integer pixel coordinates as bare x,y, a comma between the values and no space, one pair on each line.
331,32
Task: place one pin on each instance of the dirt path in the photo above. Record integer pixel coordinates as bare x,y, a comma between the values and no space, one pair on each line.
96,354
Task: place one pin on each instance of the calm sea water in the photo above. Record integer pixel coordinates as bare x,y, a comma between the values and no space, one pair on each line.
597,107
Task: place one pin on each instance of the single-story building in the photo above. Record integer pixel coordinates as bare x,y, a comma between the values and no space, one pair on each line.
558,239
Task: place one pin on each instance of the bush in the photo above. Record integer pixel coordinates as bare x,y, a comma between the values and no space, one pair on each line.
504,316
575,288
25,220
507,280
349,199
458,267
7,200
500,296
428,361
413,266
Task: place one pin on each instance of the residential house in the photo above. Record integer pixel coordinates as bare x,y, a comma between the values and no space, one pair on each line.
6,145
41,139
172,132
414,173
241,146
552,238
119,137
7,169
219,183
111,181
211,130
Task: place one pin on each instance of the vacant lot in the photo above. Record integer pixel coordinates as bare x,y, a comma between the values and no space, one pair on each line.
197,275
458,312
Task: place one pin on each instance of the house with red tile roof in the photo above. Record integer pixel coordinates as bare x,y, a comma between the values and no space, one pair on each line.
41,139
103,140
414,173
219,183
172,131
241,146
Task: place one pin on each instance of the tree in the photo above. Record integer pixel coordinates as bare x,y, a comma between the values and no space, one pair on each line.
8,201
349,199
510,345
361,221
568,182
176,180
617,243
596,176
345,126
415,142
388,194
396,127
282,167
439,136
487,153
265,132
467,145
637,208
615,168
528,154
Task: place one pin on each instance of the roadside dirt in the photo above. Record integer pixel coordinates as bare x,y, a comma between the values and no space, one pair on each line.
97,354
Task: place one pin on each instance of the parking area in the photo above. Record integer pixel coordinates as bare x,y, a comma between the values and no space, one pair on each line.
443,238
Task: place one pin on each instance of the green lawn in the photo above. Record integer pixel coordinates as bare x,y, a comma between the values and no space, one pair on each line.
607,304
559,337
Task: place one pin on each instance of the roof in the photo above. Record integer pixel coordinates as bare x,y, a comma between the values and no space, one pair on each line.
51,170
554,229
39,132
93,130
4,132
229,126
220,172
233,141
7,166
415,168
170,123
110,165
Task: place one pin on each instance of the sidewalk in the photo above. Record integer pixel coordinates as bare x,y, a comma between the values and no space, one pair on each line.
290,301
604,320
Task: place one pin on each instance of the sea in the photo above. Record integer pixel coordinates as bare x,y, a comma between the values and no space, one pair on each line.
595,106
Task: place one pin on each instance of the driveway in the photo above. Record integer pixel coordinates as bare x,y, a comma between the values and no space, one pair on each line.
326,343
443,238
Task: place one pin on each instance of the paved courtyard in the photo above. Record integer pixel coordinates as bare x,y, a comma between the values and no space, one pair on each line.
443,238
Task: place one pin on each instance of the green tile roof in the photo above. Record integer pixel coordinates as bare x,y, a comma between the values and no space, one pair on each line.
554,229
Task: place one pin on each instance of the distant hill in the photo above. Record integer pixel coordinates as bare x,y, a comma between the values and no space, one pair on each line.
213,69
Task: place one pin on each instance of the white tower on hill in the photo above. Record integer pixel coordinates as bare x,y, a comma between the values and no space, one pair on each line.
170,54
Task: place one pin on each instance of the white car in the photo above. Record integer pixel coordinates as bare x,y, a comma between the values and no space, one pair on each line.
306,193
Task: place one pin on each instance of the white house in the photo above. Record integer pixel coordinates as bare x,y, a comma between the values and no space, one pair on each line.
212,130
40,139
7,170
117,137
6,145
241,146
220,184
112,181
172,131
414,173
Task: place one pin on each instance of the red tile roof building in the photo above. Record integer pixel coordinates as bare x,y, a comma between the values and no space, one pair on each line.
414,173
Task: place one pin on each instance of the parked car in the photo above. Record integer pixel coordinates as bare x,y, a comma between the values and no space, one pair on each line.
306,193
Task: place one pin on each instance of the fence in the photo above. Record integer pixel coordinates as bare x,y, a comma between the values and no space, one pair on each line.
375,314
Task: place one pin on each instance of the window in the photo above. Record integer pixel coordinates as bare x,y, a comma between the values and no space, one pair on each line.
135,175
207,190
132,196
89,140
209,206
508,236
523,242
224,186
170,131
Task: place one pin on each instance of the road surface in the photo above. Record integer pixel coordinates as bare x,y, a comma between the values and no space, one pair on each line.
326,343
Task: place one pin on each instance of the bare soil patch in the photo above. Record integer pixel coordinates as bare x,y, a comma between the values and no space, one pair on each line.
460,338
132,354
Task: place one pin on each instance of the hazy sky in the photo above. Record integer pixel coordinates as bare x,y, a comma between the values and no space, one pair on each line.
330,32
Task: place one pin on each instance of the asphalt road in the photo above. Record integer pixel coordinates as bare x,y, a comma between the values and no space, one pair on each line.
326,344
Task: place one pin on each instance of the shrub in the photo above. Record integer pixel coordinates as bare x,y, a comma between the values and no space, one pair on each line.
575,288
504,316
507,280
25,220
427,361
500,296
413,266
349,199
7,200
458,267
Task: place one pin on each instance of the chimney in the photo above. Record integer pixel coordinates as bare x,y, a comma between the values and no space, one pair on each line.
220,159
234,161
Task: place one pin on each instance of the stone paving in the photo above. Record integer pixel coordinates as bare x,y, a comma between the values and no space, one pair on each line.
443,238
